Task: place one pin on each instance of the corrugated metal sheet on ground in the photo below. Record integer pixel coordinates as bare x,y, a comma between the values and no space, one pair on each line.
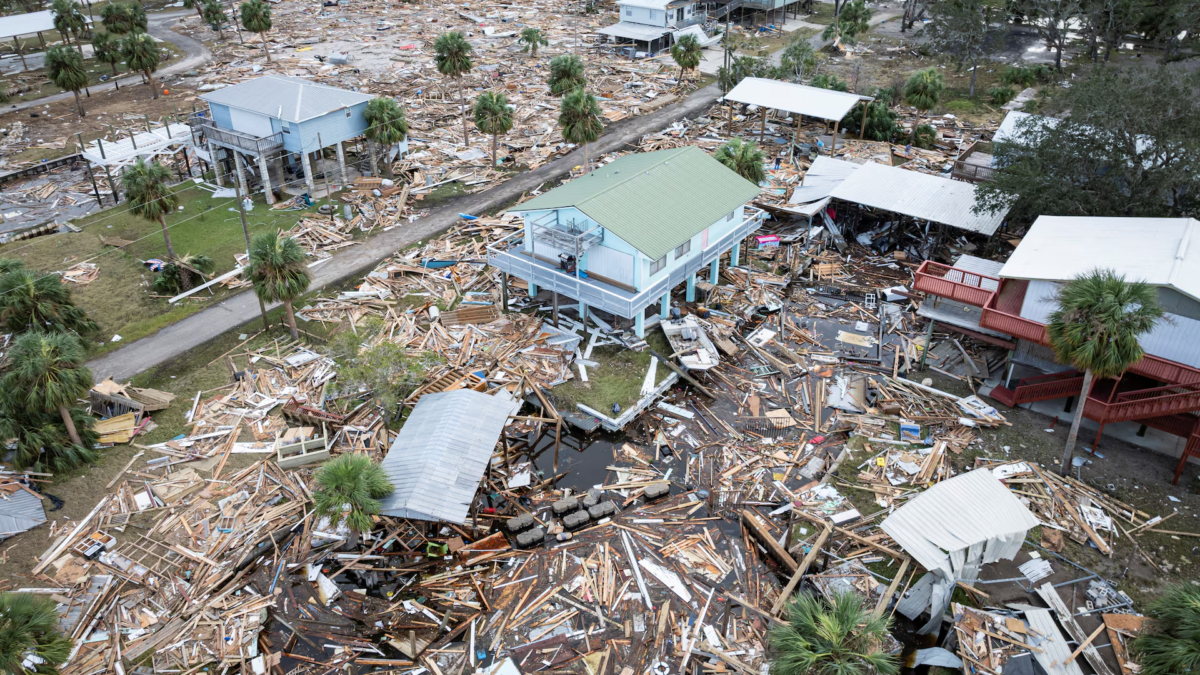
1055,650
919,195
442,452
20,511
654,200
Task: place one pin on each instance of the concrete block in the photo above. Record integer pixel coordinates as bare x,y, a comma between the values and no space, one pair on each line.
657,491
565,506
591,498
531,538
520,523
576,520
602,510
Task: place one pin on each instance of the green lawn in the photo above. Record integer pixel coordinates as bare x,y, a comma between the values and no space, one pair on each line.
120,300
95,71
618,378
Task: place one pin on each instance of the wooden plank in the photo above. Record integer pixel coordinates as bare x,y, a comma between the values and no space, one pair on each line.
760,530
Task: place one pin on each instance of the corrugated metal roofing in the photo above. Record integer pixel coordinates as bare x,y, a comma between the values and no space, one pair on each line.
1158,251
634,31
291,99
823,104
442,452
21,511
982,266
654,200
919,195
1054,648
30,23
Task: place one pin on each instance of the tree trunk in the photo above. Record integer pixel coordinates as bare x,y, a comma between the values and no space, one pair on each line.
153,87
462,102
1075,421
264,41
162,220
291,319
70,424
78,103
114,67
199,13
374,157
494,150
587,164
974,72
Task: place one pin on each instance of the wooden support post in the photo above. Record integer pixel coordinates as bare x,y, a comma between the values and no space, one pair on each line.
833,145
504,292
928,343
760,531
555,315
883,602
862,127
762,132
802,568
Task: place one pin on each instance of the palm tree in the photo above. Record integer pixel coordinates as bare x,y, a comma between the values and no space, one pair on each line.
854,18
148,195
40,441
686,51
743,158
197,5
214,15
829,81
922,91
493,116
47,369
278,272
107,49
1095,329
452,53
30,301
138,21
386,126
29,625
1171,645
349,488
141,54
823,638
532,37
117,18
176,276
566,74
581,120
69,21
66,71
256,18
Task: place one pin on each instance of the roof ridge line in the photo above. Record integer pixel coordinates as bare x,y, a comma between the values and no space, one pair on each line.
676,151
1181,249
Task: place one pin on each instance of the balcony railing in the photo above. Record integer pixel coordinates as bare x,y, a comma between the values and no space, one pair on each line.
956,284
1040,388
255,145
507,255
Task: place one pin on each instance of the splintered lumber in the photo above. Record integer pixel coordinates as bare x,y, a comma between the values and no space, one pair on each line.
803,567
756,526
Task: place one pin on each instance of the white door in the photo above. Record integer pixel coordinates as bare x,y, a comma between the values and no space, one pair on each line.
610,264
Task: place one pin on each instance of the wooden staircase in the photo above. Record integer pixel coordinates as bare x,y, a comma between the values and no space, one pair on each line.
1040,388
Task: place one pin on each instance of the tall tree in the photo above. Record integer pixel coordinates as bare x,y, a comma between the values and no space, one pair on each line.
141,54
278,272
493,117
687,53
197,5
31,301
47,369
743,158
532,38
853,20
69,21
923,90
348,491
106,48
566,74
452,54
831,638
149,196
1128,146
799,59
967,29
29,625
65,69
581,120
214,16
1171,645
1095,329
386,126
1055,20
256,18
117,18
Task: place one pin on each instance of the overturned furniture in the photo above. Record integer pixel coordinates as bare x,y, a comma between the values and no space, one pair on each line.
299,446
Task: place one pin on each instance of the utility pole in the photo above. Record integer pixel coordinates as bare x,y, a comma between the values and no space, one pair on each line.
237,190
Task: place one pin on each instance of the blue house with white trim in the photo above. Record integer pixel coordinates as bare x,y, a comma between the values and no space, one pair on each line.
275,120
632,231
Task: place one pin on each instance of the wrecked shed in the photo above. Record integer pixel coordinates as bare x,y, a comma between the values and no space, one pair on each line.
955,527
442,452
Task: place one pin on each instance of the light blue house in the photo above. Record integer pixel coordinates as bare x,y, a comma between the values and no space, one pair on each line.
635,229
276,120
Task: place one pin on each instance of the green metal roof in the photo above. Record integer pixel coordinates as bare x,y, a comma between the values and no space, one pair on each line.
655,200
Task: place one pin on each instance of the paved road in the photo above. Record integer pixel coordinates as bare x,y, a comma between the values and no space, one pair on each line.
194,54
178,338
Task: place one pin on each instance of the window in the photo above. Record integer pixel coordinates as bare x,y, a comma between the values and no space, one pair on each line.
286,128
658,265
683,249
628,11
653,15
730,216
347,112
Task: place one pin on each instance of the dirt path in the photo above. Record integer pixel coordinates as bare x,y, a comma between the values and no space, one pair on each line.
194,54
